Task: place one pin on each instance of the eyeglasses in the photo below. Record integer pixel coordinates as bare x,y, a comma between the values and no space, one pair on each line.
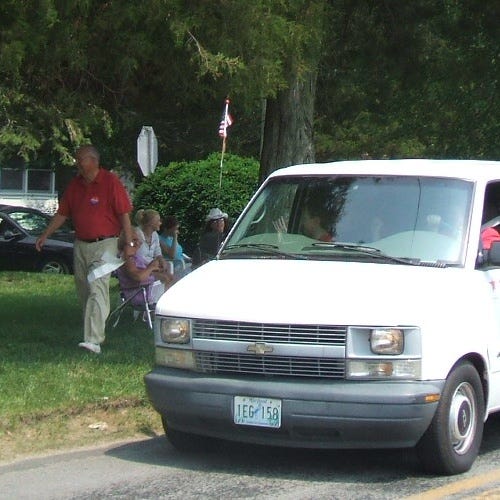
79,159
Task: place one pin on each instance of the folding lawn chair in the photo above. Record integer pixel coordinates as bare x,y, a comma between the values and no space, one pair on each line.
141,299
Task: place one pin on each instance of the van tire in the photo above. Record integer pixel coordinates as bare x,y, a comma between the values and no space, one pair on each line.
451,443
187,442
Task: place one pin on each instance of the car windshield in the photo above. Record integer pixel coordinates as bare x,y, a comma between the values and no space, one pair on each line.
413,220
34,223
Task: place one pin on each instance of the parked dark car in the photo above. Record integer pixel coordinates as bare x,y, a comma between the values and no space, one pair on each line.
19,229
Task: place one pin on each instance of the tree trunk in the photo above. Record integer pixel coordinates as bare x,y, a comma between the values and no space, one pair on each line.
288,128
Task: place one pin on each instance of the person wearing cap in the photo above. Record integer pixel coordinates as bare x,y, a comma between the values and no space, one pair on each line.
212,237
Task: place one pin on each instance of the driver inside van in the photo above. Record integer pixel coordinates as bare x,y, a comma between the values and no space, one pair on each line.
315,223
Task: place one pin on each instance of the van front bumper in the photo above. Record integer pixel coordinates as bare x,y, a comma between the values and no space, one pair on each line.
315,413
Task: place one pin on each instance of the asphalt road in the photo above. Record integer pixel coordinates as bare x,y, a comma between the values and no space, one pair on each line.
153,469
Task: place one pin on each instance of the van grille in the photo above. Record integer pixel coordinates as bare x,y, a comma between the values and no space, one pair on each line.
223,363
242,363
275,333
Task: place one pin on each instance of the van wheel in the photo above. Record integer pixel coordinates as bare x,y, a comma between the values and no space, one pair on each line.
451,443
187,442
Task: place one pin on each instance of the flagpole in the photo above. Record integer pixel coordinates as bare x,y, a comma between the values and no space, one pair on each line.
220,169
223,133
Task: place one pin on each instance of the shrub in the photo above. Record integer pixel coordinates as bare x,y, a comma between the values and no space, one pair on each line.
189,190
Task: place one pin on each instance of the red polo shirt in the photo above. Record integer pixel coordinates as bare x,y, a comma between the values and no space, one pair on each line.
94,208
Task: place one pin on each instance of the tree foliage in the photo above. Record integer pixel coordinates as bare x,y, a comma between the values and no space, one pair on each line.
189,190
410,79
340,79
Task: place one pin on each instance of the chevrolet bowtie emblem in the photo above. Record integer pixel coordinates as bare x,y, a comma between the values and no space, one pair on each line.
260,348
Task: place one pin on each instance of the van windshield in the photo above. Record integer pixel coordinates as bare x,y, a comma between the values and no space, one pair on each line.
398,218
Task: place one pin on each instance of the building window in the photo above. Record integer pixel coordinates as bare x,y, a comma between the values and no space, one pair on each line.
27,180
40,180
11,179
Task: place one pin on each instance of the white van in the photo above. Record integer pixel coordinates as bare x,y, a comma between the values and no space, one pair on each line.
351,306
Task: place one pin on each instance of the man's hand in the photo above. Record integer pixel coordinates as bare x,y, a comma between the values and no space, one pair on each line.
40,242
55,223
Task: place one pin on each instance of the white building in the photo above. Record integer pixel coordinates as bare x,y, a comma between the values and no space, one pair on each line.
29,187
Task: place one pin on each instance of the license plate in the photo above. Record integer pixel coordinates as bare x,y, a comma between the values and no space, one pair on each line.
261,412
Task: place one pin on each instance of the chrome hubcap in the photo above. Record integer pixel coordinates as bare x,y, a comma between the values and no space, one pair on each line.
462,420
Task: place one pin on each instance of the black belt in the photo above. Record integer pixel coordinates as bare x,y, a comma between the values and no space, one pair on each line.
100,238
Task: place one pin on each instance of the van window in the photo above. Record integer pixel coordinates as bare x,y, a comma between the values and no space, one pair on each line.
401,216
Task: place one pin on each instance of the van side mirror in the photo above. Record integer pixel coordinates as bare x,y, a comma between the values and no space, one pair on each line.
494,254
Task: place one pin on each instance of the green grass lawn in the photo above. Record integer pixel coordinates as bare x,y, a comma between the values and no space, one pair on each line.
43,372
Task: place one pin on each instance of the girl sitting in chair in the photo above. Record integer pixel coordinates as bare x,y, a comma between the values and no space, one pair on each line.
136,272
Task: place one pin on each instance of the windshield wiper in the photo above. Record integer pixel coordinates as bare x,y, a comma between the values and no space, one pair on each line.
260,247
362,249
373,252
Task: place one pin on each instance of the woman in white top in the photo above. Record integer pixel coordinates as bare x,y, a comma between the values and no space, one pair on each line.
148,224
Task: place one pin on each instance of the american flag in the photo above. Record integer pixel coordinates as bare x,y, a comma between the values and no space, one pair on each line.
227,121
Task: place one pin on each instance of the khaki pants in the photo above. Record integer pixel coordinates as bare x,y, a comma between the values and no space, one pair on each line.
94,296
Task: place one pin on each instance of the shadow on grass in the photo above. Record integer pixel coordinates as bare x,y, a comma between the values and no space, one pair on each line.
42,369
42,321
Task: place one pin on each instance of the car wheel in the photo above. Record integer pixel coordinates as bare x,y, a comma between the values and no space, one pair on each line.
187,442
451,443
54,266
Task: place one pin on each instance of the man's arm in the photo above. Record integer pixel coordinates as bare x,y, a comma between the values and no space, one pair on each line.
57,221
126,226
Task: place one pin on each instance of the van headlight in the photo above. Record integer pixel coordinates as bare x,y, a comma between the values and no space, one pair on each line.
387,341
384,352
175,330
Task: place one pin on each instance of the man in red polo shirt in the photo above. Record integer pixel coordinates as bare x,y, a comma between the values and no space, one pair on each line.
99,207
